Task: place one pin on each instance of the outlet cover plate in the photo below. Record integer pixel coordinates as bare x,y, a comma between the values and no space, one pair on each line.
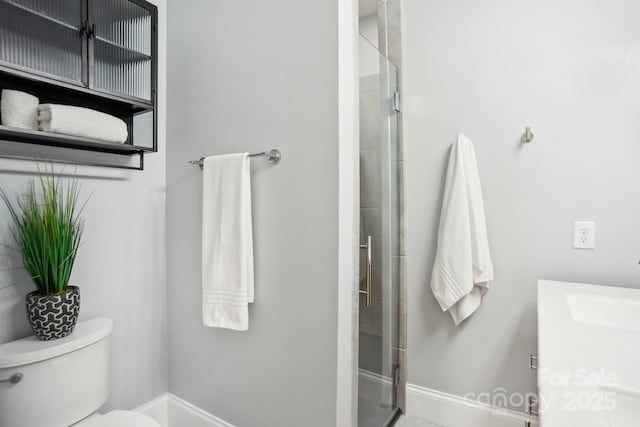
584,235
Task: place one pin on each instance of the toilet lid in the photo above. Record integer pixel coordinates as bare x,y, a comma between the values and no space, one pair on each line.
120,419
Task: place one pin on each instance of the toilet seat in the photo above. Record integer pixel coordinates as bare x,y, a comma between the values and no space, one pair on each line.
119,419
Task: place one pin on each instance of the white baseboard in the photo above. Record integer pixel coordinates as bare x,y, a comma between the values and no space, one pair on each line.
448,410
440,408
158,409
171,411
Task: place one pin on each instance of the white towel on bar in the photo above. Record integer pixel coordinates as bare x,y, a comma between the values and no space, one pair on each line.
82,122
19,109
227,242
462,268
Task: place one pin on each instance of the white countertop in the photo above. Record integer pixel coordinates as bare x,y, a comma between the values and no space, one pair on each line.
589,355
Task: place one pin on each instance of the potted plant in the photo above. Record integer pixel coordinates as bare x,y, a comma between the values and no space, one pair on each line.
47,229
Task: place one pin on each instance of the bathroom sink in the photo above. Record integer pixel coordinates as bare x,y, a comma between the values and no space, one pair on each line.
588,350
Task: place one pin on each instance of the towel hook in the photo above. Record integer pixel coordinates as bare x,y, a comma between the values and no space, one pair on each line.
528,135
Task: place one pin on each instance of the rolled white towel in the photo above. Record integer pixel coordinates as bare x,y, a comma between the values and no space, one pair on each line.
19,109
83,122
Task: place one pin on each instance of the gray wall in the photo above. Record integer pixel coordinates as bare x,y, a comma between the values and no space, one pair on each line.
121,265
571,70
248,76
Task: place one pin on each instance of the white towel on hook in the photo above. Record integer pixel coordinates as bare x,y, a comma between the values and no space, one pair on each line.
227,242
462,268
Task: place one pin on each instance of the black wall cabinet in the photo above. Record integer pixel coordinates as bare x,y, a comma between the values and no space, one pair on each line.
99,54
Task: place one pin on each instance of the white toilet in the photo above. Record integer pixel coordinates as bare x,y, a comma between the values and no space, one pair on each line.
61,383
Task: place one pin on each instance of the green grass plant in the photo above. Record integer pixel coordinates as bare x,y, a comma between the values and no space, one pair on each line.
47,229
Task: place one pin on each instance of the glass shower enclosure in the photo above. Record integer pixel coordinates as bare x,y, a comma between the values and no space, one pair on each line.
378,359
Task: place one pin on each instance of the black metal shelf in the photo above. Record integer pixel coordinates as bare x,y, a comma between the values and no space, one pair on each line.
136,105
48,79
55,140
67,141
132,55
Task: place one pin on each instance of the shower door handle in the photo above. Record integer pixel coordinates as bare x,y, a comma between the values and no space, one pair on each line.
367,292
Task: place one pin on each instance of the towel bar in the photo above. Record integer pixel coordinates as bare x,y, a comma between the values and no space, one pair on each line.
273,156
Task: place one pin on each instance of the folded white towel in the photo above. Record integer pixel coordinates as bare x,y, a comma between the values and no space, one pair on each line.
462,267
83,122
227,242
19,109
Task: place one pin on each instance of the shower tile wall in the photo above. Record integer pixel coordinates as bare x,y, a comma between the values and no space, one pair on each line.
389,33
382,31
390,44
400,265
370,218
371,204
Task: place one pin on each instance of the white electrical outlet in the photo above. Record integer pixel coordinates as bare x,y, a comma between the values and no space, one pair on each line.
584,235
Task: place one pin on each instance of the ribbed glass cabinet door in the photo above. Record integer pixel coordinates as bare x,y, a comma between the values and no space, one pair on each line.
122,48
43,36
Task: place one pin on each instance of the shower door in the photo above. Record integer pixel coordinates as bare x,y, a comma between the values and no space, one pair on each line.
379,231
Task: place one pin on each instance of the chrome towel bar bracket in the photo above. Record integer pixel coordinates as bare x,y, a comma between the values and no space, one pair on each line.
272,156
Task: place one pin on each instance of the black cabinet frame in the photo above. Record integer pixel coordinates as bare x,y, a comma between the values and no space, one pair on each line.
53,88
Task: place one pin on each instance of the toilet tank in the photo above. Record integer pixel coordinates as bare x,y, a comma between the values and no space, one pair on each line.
62,381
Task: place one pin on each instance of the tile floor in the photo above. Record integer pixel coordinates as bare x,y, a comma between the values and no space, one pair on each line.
371,414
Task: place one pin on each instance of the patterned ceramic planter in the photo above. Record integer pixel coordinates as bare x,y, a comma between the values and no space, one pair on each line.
53,316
